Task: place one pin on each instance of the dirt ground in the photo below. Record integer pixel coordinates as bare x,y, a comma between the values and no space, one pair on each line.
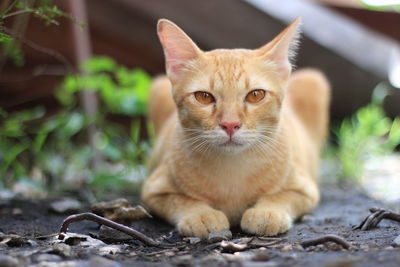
341,209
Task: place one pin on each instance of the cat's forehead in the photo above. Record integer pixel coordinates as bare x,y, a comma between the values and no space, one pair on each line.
232,68
228,56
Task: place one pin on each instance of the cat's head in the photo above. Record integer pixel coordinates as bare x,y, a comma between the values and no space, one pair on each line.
227,99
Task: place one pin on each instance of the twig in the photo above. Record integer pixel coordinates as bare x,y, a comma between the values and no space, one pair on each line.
120,227
326,238
376,217
48,51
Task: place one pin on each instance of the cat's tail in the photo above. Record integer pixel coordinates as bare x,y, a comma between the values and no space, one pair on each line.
161,104
309,96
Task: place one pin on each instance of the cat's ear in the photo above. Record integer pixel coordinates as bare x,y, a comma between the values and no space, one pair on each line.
179,49
282,49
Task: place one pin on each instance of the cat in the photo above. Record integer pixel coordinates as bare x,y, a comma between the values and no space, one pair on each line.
238,136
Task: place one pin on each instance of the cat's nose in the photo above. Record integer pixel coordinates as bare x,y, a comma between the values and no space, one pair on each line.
230,127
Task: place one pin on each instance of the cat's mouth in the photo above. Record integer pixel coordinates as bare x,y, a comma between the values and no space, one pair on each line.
231,143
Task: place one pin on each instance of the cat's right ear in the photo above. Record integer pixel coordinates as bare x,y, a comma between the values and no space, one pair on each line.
179,49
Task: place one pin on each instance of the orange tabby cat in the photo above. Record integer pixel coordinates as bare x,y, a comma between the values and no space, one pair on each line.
239,140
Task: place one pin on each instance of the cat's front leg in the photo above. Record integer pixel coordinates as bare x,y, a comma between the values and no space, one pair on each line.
274,214
192,217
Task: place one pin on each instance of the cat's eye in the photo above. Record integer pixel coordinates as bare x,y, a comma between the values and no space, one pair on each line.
204,97
255,96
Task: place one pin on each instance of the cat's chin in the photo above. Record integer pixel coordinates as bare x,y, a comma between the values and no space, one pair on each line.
232,147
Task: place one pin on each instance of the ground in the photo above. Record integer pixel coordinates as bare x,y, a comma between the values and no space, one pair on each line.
341,209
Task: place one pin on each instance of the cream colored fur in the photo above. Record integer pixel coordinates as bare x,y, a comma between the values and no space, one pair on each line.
265,175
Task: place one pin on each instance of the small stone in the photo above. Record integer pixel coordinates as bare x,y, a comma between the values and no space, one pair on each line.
183,260
261,256
396,242
66,205
62,250
98,261
45,257
298,247
192,240
16,211
109,233
287,248
219,236
8,261
307,218
109,250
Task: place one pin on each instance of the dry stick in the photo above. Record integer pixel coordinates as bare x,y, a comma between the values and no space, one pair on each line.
120,227
376,217
326,238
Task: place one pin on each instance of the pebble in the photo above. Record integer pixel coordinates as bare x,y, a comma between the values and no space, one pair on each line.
219,236
192,240
184,260
45,257
396,242
8,261
66,205
16,211
62,250
287,248
259,264
98,261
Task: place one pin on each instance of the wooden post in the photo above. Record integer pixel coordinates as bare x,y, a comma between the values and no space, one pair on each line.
82,52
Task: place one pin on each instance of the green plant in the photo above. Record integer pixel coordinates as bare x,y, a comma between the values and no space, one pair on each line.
46,10
54,145
369,132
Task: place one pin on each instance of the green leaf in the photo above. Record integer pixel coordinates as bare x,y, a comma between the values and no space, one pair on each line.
74,123
5,37
39,141
98,64
11,155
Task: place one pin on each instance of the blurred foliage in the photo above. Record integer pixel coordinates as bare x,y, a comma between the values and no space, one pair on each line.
51,150
368,133
380,6
46,10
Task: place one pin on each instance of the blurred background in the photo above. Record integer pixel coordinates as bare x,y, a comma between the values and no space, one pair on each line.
74,78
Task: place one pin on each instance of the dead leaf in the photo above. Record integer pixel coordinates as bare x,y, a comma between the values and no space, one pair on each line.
73,239
228,246
120,211
13,240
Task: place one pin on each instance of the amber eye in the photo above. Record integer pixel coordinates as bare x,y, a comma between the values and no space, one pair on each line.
204,97
255,96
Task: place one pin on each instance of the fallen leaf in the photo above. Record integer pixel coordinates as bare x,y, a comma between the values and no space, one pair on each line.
73,239
228,246
120,211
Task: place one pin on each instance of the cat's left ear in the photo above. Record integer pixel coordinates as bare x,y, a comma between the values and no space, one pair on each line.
282,49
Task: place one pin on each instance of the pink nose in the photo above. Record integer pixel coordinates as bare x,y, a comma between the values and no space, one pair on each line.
230,127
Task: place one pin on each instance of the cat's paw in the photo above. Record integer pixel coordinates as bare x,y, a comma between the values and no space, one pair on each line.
264,221
200,224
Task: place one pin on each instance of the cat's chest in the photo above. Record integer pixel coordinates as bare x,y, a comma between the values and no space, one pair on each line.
231,188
